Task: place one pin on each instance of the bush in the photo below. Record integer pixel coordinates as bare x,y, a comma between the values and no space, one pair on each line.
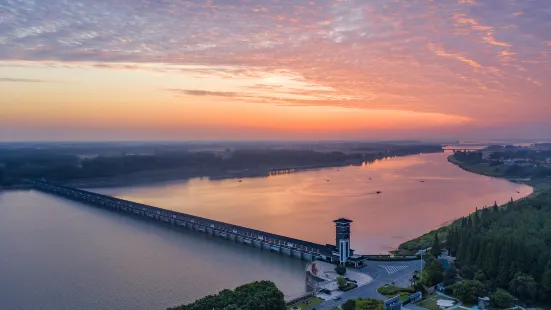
502,299
393,290
468,291
257,295
349,305
341,282
341,270
348,287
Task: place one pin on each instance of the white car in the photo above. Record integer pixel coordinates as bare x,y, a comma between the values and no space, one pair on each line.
336,297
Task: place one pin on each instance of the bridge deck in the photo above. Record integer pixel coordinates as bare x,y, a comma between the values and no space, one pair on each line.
183,219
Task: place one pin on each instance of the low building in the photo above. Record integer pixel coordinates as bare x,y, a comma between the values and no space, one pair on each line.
483,303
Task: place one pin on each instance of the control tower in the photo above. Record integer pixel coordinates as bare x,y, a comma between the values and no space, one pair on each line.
343,239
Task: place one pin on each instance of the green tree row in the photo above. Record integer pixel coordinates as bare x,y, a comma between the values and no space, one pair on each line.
506,248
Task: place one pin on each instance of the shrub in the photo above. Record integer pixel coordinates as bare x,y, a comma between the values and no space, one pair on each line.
341,270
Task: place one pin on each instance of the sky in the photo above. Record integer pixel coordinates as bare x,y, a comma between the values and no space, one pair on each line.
274,69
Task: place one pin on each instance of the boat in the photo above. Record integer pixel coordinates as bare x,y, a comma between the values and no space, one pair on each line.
378,192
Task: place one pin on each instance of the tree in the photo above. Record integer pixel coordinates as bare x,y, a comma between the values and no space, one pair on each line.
341,282
469,290
349,305
433,273
467,271
450,275
257,295
369,304
436,247
341,270
479,276
502,299
524,286
545,292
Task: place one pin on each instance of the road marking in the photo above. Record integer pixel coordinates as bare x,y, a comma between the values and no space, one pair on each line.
392,269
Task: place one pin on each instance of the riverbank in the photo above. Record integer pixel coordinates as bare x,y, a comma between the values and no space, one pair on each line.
498,171
426,240
160,176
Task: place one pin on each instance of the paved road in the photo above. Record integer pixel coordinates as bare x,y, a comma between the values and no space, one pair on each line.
382,273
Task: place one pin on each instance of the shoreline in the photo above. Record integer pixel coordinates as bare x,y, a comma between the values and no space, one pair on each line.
535,190
159,177
162,176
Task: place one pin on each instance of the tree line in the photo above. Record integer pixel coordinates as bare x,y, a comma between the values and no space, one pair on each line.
506,248
17,166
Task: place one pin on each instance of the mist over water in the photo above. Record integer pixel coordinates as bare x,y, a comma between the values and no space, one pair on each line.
60,254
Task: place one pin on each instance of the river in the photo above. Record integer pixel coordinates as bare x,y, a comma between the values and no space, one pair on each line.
60,254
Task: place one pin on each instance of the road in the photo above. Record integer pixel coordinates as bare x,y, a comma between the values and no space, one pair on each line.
382,273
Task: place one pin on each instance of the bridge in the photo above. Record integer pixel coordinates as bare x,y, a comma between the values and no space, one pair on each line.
267,241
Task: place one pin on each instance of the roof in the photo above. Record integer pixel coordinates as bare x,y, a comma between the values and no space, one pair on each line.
342,220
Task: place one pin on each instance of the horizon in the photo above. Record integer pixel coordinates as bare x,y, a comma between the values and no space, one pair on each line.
274,70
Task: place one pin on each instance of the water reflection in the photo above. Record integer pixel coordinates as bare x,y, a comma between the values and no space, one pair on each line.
59,254
418,193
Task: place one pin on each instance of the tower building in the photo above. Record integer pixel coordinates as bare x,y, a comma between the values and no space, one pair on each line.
343,239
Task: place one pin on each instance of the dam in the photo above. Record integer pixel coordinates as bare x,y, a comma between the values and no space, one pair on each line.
293,247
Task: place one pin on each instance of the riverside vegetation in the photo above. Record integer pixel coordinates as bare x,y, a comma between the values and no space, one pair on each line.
500,252
63,164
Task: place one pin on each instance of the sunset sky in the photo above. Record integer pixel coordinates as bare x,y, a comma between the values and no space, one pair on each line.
274,69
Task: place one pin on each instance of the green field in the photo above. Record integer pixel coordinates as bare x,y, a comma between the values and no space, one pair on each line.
306,304
391,291
430,303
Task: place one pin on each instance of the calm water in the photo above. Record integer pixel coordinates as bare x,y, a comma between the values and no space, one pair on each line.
303,205
59,254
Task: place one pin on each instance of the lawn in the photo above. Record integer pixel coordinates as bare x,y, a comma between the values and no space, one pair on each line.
391,291
348,287
307,303
430,303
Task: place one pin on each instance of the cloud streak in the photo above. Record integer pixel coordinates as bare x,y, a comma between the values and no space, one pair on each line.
18,80
456,57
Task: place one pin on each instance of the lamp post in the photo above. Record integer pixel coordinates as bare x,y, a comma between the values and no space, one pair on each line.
422,251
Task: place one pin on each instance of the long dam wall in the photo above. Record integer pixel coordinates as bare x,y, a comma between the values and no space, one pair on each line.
266,241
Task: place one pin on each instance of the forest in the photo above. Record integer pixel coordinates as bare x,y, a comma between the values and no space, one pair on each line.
506,248
262,295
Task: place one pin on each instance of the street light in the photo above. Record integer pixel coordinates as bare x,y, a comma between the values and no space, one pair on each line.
422,251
